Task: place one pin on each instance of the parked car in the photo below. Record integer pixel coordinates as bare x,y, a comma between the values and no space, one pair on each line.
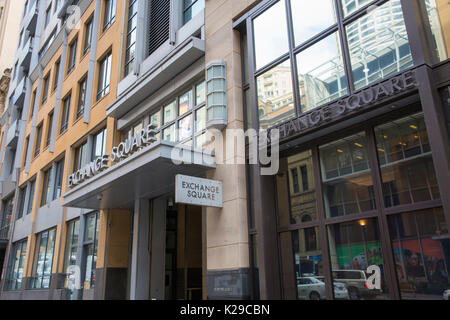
311,288
355,281
446,295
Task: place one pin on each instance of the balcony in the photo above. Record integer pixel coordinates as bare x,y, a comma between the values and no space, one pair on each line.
19,93
31,18
25,54
13,134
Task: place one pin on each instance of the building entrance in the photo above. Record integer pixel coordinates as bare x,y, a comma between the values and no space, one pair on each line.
183,253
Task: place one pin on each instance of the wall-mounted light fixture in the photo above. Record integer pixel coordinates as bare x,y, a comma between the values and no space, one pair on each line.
216,95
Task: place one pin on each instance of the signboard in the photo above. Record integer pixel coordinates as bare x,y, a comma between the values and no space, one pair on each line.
198,191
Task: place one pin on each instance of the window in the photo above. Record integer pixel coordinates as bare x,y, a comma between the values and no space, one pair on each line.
30,196
104,76
90,248
33,101
81,97
57,187
16,265
42,267
390,53
109,13
346,177
406,165
295,206
130,50
27,142
80,158
295,185
99,145
71,250
275,101
304,173
191,8
87,35
6,218
46,187
271,35
421,247
49,129
45,87
37,145
56,75
21,207
65,114
436,25
72,55
354,246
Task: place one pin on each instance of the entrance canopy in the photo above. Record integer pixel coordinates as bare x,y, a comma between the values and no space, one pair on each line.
147,173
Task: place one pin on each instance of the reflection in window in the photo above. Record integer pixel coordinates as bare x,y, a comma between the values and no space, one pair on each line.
16,266
191,8
185,127
307,22
346,177
270,33
185,103
42,268
71,250
378,44
169,134
354,246
321,74
350,6
438,21
406,163
98,145
275,98
301,263
90,249
421,245
296,200
169,112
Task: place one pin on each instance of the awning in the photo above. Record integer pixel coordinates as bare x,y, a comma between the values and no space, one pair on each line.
145,174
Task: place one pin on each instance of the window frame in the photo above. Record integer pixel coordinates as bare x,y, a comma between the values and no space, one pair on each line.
104,72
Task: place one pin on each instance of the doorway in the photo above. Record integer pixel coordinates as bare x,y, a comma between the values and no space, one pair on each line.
183,253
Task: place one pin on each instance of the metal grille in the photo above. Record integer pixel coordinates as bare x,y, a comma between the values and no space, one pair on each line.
159,23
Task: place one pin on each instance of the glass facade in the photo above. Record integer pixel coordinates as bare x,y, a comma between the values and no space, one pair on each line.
15,271
341,221
43,260
90,244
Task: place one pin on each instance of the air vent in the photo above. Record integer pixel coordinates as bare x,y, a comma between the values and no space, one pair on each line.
159,24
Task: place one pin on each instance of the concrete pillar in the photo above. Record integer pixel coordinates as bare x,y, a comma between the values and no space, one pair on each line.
158,248
140,256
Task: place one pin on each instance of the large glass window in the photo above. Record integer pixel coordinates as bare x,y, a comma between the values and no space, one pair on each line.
71,250
16,266
90,248
271,35
346,177
421,246
306,20
406,164
354,246
42,267
321,75
297,202
302,267
275,96
130,50
350,6
378,44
